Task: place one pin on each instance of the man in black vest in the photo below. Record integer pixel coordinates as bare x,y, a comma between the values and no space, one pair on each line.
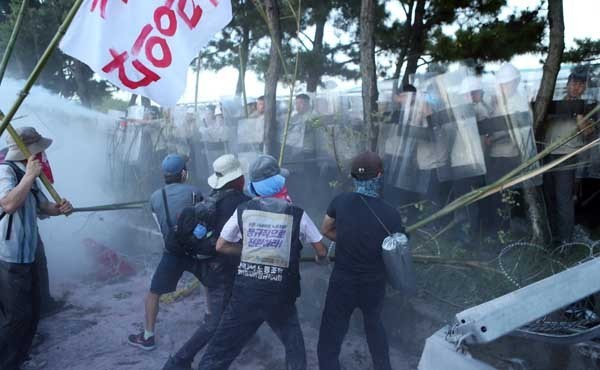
267,232
227,183
355,222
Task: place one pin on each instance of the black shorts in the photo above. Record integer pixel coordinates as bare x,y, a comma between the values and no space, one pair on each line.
171,268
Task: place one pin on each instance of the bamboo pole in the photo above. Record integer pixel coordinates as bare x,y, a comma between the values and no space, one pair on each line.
13,39
29,84
112,207
40,65
23,148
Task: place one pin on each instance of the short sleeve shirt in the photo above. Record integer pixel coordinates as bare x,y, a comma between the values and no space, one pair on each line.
179,196
309,233
359,234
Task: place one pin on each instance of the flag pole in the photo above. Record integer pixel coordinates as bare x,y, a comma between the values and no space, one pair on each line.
13,39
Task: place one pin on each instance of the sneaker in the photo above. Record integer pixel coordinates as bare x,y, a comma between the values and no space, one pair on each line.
33,364
174,364
140,342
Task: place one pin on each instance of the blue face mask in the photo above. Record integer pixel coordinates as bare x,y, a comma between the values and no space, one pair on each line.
371,187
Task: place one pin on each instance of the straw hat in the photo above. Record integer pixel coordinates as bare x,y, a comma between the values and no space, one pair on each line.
35,142
226,169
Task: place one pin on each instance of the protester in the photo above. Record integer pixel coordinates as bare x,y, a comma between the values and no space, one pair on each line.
166,204
267,232
22,202
559,184
227,183
354,221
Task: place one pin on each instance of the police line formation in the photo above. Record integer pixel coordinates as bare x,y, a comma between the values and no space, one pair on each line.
242,236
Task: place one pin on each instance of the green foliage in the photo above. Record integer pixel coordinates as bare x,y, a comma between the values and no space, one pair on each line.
586,50
498,40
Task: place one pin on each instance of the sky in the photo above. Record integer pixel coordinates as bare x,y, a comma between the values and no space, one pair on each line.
581,17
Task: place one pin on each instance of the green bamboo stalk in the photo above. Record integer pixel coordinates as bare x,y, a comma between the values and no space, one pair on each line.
112,207
13,39
29,84
37,70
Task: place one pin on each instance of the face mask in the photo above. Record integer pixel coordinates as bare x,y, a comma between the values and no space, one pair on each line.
46,169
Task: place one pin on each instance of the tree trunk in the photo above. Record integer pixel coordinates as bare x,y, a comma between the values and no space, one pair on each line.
417,42
536,208
553,60
244,51
273,72
367,69
315,72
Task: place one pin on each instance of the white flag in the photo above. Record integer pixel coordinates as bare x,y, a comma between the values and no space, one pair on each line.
145,46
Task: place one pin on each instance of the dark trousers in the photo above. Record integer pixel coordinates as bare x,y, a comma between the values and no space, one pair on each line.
497,216
242,318
559,187
42,271
469,213
19,312
217,300
345,294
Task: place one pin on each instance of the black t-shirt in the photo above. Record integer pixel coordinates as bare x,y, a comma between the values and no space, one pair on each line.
359,234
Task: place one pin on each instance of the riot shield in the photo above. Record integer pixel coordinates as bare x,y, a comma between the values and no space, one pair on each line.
408,147
456,134
508,132
214,133
250,140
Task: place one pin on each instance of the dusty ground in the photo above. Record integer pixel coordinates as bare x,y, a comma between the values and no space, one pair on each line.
92,334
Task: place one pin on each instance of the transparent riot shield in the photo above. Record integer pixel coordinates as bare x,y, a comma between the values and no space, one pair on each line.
214,133
456,134
408,146
508,132
250,140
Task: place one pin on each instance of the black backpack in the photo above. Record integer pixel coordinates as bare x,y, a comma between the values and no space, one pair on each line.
181,240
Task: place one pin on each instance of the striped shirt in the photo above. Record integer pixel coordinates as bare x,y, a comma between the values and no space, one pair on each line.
19,231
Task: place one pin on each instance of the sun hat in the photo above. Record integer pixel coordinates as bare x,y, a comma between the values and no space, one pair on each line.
35,142
226,169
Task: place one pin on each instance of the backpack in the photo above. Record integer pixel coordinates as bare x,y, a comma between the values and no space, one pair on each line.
181,240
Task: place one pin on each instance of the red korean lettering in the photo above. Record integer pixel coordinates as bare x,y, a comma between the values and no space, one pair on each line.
103,4
166,58
171,28
193,19
118,63
215,2
141,39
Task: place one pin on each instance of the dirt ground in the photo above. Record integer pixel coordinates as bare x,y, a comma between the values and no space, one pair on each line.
91,334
